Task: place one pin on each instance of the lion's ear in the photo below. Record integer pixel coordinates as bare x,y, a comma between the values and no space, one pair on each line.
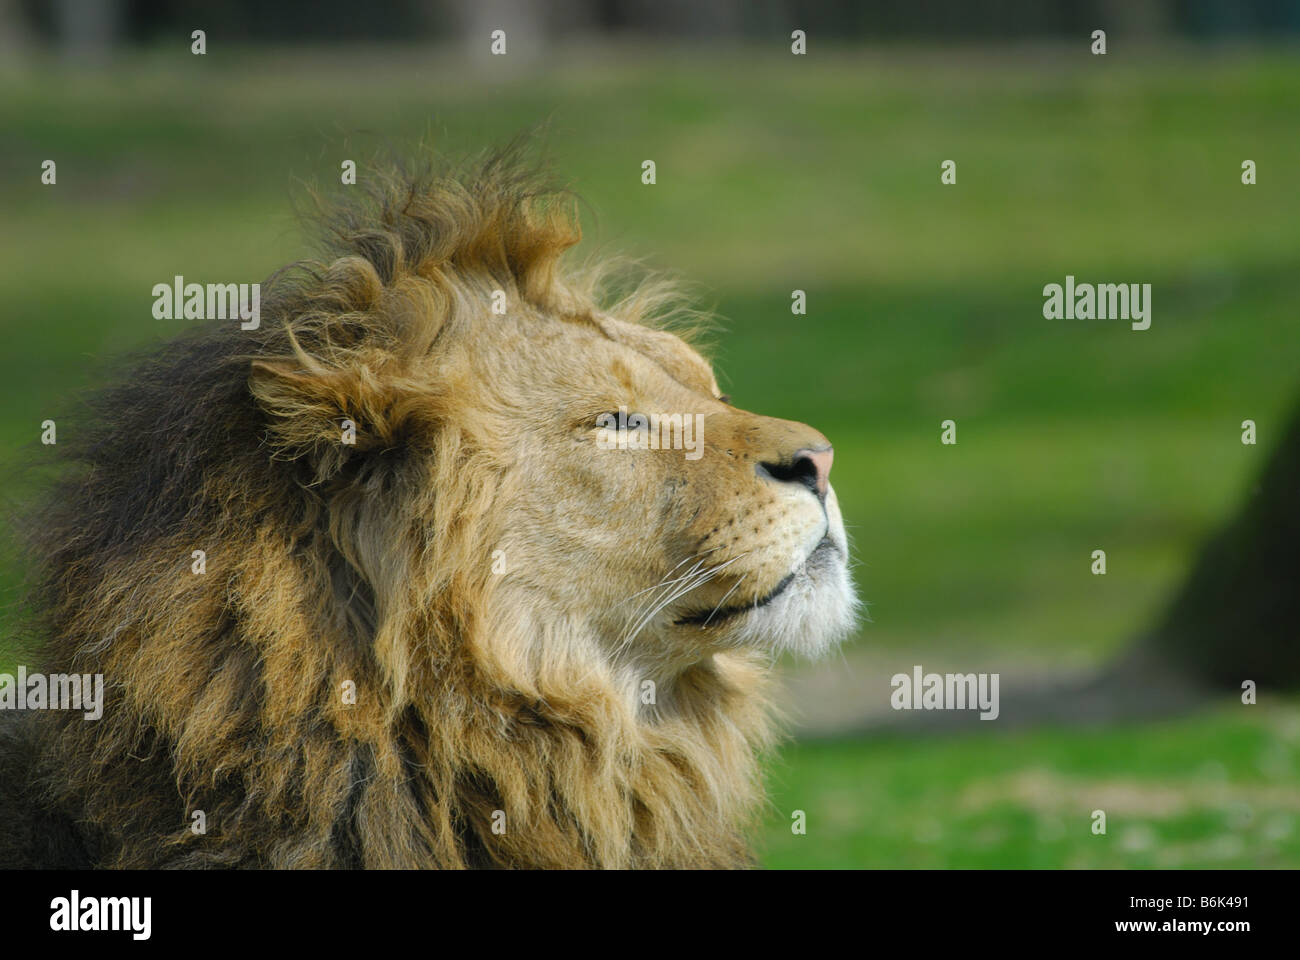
329,413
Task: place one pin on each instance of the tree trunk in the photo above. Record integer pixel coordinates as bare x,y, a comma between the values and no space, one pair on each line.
1237,615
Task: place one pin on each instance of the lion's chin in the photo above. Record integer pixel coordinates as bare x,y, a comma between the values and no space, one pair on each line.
815,609
808,612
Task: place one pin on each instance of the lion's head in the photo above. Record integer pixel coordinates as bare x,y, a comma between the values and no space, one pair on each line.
493,574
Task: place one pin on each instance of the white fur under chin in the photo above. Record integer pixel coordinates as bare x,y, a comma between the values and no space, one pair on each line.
812,615
817,610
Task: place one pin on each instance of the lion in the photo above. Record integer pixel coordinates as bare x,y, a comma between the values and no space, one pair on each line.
367,588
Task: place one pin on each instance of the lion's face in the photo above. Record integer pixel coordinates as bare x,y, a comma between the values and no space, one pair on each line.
729,534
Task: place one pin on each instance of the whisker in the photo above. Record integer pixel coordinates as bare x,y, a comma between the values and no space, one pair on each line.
666,581
699,580
724,600
664,587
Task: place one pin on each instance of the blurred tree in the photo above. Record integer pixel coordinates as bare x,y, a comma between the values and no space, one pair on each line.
15,38
87,29
1237,616
523,23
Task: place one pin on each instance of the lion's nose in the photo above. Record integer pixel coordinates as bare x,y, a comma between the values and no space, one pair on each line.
809,467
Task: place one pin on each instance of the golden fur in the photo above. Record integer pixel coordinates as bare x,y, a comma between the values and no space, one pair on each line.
469,566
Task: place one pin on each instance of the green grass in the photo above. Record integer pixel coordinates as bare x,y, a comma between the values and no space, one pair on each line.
924,303
1217,790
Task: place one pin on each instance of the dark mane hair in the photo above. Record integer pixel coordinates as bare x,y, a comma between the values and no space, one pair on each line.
222,688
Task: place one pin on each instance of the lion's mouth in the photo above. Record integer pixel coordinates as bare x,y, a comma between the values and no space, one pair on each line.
715,615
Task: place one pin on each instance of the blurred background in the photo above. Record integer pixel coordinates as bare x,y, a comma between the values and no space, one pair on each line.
819,173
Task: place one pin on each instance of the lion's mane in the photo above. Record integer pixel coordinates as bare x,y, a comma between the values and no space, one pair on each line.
326,567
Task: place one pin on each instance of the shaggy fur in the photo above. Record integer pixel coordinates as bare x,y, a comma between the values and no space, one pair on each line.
366,564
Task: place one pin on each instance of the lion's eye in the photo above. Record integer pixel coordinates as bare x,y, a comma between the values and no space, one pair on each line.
615,420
